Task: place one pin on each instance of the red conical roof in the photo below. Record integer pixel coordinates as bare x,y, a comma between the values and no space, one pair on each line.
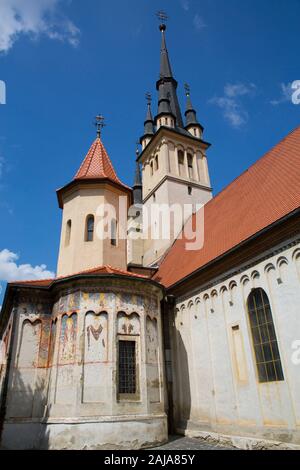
97,165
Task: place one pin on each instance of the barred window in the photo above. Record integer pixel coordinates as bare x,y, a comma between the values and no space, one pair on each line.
264,337
127,367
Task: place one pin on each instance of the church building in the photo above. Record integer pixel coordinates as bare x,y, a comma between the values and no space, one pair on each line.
140,335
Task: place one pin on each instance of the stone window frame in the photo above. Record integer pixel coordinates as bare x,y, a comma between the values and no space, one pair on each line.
130,397
269,326
89,233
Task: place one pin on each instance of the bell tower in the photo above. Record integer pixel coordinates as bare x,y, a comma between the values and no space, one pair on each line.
94,221
173,158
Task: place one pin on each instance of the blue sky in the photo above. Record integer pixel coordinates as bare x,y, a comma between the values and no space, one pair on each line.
65,61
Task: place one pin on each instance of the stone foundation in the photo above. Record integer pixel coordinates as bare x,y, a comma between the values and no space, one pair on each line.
122,433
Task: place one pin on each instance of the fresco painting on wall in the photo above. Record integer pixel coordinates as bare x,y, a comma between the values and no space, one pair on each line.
128,324
106,300
95,373
52,342
74,301
96,337
151,305
62,305
4,345
68,339
152,341
30,342
152,360
44,345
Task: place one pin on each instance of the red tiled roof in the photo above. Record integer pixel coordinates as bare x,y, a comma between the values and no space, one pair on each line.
262,195
97,165
105,270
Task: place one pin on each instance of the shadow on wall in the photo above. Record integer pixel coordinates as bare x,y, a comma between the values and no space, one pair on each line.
24,426
182,392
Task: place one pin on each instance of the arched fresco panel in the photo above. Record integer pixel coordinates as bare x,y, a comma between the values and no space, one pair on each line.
52,342
67,349
152,359
45,340
128,324
24,379
66,383
95,357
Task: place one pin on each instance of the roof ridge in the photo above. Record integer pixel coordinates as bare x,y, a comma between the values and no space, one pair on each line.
33,280
110,270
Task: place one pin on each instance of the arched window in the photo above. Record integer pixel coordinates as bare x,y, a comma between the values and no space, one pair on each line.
113,232
89,230
264,337
68,233
181,162
190,165
151,168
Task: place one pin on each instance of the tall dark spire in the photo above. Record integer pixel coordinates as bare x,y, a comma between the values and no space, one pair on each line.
167,80
165,66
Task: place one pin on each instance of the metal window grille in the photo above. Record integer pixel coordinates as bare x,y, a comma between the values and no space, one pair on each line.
264,338
127,367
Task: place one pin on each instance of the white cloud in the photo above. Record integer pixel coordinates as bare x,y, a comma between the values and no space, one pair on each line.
34,18
11,271
239,89
199,22
231,105
286,94
185,4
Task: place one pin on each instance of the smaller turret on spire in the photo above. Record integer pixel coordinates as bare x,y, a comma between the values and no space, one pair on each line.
149,130
192,124
149,123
